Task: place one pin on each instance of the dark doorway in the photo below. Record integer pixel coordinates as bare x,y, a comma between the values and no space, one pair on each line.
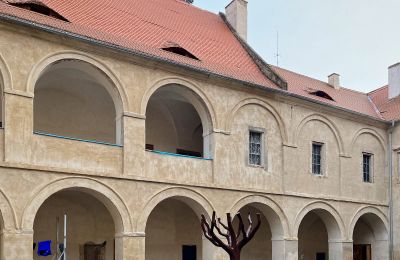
362,252
321,256
94,252
189,253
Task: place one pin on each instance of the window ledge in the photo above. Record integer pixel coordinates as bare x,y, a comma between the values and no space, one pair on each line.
76,139
323,175
178,155
256,166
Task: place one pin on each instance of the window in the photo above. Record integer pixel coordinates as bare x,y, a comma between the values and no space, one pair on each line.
317,158
398,163
255,148
367,167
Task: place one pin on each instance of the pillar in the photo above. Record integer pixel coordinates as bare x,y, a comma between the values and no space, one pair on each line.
340,250
285,249
18,126
134,144
380,250
130,246
17,245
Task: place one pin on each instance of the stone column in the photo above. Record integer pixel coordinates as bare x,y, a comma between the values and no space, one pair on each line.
285,249
134,144
17,245
340,250
380,250
130,246
18,126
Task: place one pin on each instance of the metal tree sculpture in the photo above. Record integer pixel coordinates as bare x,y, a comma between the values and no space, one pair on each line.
236,240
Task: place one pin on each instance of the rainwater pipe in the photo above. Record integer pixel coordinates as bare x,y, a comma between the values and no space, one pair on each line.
390,154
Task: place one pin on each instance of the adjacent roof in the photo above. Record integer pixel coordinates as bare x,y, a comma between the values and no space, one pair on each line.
344,98
148,26
389,108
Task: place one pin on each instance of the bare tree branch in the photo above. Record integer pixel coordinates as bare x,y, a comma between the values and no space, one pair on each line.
234,246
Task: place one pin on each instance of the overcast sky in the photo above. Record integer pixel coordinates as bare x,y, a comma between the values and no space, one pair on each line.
358,39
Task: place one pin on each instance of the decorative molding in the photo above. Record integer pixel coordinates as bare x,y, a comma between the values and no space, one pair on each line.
18,93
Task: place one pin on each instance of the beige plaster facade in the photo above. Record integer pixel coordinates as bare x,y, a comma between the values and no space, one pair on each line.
77,119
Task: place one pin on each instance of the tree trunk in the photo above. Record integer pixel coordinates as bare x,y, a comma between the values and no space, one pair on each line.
235,257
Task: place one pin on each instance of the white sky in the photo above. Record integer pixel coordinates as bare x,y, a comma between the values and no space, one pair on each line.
358,39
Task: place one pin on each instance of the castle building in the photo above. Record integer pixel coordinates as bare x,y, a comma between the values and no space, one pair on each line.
134,117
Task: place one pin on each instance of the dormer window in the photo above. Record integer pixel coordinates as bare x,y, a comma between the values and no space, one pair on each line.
322,94
41,9
175,48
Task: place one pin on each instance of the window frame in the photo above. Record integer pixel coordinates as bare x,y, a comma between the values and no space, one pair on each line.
371,167
322,158
263,158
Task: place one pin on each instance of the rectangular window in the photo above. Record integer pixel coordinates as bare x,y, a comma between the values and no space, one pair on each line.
398,164
189,252
255,148
317,158
367,167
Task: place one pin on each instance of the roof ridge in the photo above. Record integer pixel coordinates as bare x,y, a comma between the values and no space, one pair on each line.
262,65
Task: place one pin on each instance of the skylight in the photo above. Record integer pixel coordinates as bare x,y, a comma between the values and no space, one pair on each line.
40,8
322,94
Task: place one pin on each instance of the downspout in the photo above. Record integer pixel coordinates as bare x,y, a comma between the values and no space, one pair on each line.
390,154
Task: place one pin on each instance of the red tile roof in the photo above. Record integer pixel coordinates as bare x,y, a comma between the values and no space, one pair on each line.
344,98
147,26
389,108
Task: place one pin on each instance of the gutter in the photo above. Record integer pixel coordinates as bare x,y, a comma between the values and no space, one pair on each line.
391,216
115,47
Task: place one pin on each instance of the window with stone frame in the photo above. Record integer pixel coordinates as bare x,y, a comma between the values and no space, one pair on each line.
316,156
367,167
255,148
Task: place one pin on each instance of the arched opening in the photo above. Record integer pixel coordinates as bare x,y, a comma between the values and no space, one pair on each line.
178,122
370,238
173,231
318,236
266,243
74,99
90,226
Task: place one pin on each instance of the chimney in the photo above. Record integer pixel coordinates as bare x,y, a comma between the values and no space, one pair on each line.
334,80
236,14
394,80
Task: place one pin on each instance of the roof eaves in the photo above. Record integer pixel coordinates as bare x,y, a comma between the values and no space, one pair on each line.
259,61
57,31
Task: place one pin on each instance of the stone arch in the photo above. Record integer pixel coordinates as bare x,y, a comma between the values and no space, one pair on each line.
272,211
328,214
105,194
377,220
90,65
8,218
202,105
263,104
369,131
324,120
116,90
5,75
196,201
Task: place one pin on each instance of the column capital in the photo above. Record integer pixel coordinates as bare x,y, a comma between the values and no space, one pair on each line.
130,234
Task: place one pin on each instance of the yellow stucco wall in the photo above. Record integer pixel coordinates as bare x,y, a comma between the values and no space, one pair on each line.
131,182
